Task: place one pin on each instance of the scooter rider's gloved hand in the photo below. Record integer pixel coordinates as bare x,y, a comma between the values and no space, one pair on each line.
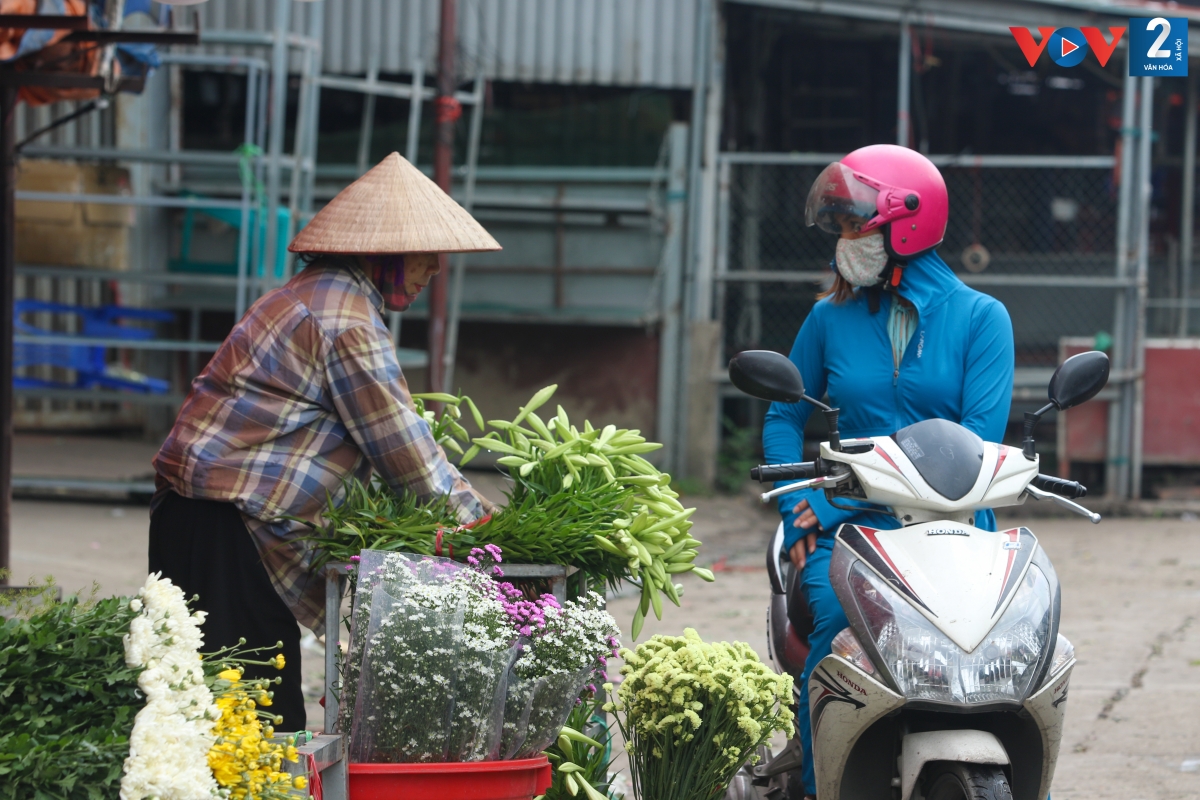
806,521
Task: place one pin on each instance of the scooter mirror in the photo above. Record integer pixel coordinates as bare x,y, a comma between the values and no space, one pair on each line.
767,375
1078,379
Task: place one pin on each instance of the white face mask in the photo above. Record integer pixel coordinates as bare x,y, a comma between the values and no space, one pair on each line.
861,261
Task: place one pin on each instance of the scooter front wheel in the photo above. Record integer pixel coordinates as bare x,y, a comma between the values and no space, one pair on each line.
954,780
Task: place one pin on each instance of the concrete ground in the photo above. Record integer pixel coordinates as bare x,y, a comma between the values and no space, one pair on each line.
1131,597
38,455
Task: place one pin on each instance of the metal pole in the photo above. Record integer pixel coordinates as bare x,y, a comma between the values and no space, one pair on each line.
1116,473
1146,125
724,175
904,83
258,241
243,251
410,152
175,120
1128,305
693,214
695,153
317,33
414,111
443,154
300,143
460,266
709,150
1187,222
374,22
670,343
8,180
279,79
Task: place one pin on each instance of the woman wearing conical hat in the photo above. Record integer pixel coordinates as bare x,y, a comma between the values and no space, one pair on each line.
305,393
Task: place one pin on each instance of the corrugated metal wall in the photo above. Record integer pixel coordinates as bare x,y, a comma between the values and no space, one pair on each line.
607,42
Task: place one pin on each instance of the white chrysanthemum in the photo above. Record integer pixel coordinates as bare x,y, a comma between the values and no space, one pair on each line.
574,639
172,734
432,656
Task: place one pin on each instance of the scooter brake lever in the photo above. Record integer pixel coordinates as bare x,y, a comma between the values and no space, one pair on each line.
1070,505
809,484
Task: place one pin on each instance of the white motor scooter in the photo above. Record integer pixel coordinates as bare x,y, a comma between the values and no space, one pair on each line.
950,682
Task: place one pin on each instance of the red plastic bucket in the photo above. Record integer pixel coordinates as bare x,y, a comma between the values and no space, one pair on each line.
480,780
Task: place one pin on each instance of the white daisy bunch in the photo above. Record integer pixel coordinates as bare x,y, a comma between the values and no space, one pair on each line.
172,734
405,692
484,647
434,661
693,712
566,650
578,636
371,569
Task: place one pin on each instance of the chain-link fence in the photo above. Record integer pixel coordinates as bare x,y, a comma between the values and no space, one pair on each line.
1047,232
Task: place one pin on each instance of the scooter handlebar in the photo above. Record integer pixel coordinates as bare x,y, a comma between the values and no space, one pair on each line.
1063,488
784,472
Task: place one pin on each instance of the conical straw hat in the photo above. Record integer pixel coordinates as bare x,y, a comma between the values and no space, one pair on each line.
393,208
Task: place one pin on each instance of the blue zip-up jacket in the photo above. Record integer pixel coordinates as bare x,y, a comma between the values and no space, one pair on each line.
958,366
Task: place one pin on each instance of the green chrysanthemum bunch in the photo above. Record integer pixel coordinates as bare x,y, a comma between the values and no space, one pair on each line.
693,712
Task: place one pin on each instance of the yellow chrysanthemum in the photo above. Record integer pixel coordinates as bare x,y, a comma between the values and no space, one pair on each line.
244,760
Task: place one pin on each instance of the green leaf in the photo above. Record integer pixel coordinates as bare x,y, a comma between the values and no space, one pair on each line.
69,700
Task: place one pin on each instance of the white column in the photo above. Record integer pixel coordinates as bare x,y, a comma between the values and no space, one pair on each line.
1145,126
1187,221
1116,469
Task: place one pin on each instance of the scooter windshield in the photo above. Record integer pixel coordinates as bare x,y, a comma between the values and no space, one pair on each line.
947,455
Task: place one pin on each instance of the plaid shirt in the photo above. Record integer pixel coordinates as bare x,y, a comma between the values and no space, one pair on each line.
304,393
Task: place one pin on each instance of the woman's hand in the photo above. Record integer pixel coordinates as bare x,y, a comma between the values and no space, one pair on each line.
807,521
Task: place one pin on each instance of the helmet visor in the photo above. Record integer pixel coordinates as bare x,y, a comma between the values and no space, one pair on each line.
837,197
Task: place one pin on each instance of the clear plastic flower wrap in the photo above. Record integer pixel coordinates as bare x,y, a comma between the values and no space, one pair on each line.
565,646
535,710
434,672
376,567
432,662
405,691
480,679
518,698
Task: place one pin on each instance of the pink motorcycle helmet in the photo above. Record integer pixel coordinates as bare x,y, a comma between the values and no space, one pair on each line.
888,186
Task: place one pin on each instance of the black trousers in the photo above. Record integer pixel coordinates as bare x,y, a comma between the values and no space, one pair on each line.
203,546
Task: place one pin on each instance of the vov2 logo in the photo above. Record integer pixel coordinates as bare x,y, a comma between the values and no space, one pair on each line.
1067,46
1158,46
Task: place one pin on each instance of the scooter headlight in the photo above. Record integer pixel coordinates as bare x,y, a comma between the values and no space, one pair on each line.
927,665
1064,651
846,645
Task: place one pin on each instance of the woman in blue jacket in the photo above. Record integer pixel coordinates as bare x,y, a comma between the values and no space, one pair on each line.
896,340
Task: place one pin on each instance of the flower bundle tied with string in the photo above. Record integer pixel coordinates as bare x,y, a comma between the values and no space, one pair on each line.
693,712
